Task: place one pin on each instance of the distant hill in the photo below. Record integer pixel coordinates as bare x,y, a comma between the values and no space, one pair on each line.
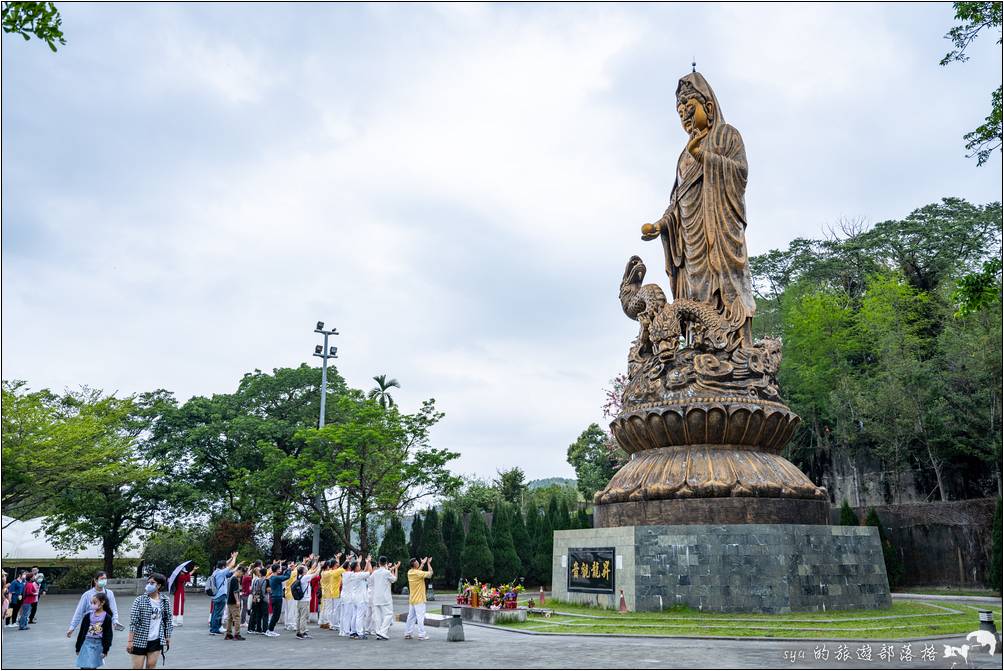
547,482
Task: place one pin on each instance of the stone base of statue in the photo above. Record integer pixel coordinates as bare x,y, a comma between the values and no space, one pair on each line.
706,512
749,568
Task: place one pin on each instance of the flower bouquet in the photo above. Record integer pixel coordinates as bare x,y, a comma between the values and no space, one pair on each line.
485,595
510,592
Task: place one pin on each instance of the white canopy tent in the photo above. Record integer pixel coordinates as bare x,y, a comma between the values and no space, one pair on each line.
24,544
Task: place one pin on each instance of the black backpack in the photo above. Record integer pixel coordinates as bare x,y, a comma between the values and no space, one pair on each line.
297,590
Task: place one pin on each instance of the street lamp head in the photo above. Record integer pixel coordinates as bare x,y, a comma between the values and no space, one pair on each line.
320,326
333,351
318,349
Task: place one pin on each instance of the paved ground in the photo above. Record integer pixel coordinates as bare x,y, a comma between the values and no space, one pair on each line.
46,647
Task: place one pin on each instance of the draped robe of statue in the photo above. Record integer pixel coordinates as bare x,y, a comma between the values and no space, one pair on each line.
705,232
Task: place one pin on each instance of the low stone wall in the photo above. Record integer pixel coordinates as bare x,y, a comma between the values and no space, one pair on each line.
762,568
487,615
939,543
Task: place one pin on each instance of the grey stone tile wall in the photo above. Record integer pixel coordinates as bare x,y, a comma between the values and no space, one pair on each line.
767,568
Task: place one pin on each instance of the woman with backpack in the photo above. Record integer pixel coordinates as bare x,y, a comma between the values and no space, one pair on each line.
300,591
258,622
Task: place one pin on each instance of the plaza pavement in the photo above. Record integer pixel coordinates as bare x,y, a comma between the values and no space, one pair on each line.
45,646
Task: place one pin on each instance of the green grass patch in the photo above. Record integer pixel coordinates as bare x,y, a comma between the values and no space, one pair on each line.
949,591
905,619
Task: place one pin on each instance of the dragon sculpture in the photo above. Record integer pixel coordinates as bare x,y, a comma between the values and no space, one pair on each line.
689,344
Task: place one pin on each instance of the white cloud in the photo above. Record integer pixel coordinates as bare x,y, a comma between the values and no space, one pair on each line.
455,187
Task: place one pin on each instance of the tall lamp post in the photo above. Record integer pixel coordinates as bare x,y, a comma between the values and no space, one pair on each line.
325,353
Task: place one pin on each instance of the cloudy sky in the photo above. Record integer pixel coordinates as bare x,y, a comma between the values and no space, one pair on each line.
187,189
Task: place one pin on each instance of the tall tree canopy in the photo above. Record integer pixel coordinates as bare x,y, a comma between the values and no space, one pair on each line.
592,459
887,356
242,450
453,536
511,484
113,484
476,559
507,566
371,461
394,547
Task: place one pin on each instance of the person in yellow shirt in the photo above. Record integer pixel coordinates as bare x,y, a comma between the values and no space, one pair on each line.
417,575
288,604
331,592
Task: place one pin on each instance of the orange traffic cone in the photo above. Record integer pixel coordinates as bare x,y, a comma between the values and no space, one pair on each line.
541,595
623,607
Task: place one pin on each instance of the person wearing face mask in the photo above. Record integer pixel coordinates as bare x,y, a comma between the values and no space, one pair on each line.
30,599
95,637
16,590
150,624
43,588
98,582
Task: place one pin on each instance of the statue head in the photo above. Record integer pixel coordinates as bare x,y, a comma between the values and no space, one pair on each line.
696,104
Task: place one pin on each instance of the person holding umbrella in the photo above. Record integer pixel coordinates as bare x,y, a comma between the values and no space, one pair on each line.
180,577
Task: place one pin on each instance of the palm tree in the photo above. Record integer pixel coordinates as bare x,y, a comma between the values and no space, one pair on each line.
380,392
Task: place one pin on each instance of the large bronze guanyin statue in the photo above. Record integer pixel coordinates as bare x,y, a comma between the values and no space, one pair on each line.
702,416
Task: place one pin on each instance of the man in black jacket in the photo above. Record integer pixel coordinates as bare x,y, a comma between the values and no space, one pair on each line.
234,605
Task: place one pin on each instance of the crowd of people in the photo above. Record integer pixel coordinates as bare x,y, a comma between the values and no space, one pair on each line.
21,597
348,595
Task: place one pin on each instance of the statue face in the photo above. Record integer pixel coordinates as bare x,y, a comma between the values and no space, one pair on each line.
694,116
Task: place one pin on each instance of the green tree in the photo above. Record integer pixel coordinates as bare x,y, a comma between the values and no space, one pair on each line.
370,461
847,516
893,565
540,497
474,494
434,545
557,514
381,392
135,491
532,519
242,449
894,320
40,19
167,547
415,538
937,241
51,443
543,547
453,536
968,357
592,460
521,541
507,565
511,485
976,17
393,547
476,560
585,519
891,339
979,290
994,567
